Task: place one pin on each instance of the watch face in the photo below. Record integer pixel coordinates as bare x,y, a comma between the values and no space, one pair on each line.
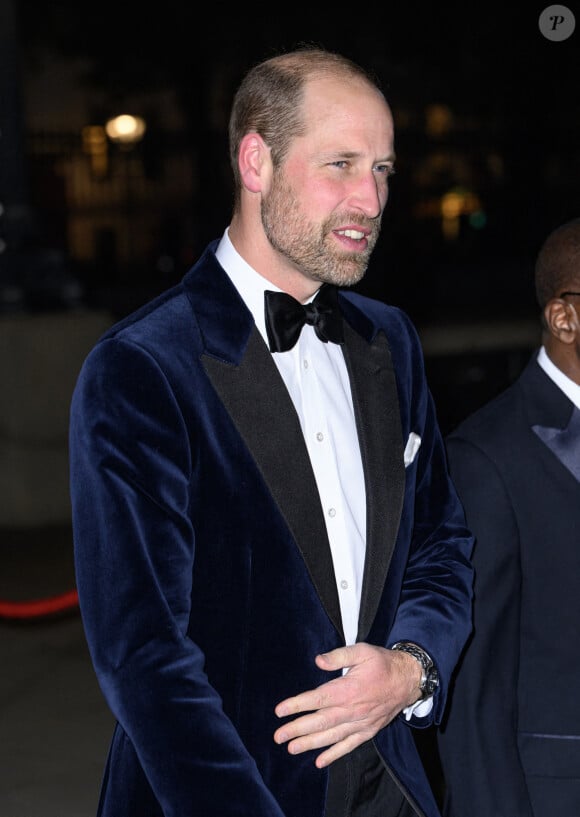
431,682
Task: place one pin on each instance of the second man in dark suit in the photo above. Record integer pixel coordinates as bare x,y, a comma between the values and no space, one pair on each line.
511,743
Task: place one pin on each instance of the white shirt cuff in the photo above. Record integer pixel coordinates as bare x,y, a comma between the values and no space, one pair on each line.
420,709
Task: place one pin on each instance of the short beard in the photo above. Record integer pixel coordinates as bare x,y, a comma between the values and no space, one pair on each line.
306,245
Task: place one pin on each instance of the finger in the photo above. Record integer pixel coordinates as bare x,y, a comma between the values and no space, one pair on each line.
307,725
317,740
322,696
341,719
324,727
339,749
340,658
308,701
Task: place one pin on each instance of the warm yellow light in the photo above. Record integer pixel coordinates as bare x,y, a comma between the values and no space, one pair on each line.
438,120
454,204
125,129
95,145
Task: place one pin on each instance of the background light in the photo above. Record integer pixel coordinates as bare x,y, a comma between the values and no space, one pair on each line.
125,129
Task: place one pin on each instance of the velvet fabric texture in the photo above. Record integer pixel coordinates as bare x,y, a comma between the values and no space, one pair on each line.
203,566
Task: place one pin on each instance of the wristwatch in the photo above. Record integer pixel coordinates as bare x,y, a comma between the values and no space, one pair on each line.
430,677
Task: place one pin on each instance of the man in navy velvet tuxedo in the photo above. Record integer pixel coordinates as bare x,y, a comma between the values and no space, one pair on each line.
511,742
272,563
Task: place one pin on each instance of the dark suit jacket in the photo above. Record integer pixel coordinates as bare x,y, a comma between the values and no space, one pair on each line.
204,571
511,743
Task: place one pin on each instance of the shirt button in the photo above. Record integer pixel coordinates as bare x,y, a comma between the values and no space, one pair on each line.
305,364
344,584
331,512
320,436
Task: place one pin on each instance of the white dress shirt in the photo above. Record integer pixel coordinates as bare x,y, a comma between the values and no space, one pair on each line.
570,389
317,380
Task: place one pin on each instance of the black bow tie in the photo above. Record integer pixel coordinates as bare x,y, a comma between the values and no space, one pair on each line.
285,317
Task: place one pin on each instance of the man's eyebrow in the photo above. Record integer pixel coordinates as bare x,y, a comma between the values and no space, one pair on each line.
353,154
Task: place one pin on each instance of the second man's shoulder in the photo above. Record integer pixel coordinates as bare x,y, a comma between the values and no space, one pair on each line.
494,425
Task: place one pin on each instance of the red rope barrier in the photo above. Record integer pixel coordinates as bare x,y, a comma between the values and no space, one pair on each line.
37,608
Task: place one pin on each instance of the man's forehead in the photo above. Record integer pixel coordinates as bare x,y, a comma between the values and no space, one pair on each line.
332,88
350,105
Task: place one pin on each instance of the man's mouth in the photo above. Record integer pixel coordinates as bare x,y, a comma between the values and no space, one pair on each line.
357,235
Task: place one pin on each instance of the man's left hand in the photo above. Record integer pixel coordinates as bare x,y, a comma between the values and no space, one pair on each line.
347,711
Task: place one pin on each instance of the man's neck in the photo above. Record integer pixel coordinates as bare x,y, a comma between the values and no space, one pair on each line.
564,357
257,251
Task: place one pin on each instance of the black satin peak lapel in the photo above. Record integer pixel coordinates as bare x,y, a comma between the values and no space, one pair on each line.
376,405
256,398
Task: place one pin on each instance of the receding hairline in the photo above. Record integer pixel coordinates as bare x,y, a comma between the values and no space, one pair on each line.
269,99
314,61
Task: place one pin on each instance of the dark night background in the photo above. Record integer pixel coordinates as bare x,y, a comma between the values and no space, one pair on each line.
484,104
513,138
487,116
487,119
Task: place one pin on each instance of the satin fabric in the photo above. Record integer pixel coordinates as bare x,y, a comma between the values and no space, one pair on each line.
285,317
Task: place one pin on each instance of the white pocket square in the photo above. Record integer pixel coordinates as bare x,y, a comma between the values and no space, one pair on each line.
411,448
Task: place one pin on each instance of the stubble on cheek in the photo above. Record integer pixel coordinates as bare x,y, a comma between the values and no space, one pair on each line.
312,247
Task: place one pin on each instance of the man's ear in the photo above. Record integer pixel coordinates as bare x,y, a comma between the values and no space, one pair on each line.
254,162
562,320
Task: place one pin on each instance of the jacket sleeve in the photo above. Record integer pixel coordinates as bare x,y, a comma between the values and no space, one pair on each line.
131,459
478,740
435,604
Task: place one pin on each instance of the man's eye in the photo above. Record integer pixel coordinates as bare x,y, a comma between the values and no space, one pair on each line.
387,170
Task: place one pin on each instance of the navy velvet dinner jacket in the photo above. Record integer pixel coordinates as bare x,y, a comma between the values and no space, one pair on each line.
203,565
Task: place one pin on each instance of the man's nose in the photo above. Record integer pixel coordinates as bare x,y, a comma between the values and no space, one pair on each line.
366,196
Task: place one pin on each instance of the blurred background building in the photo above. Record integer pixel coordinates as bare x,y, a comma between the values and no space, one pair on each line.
486,114
114,175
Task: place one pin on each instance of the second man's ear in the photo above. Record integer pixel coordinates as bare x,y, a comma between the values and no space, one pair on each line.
561,320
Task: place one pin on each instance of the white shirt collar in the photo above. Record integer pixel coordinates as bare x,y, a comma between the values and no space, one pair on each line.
568,386
249,283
